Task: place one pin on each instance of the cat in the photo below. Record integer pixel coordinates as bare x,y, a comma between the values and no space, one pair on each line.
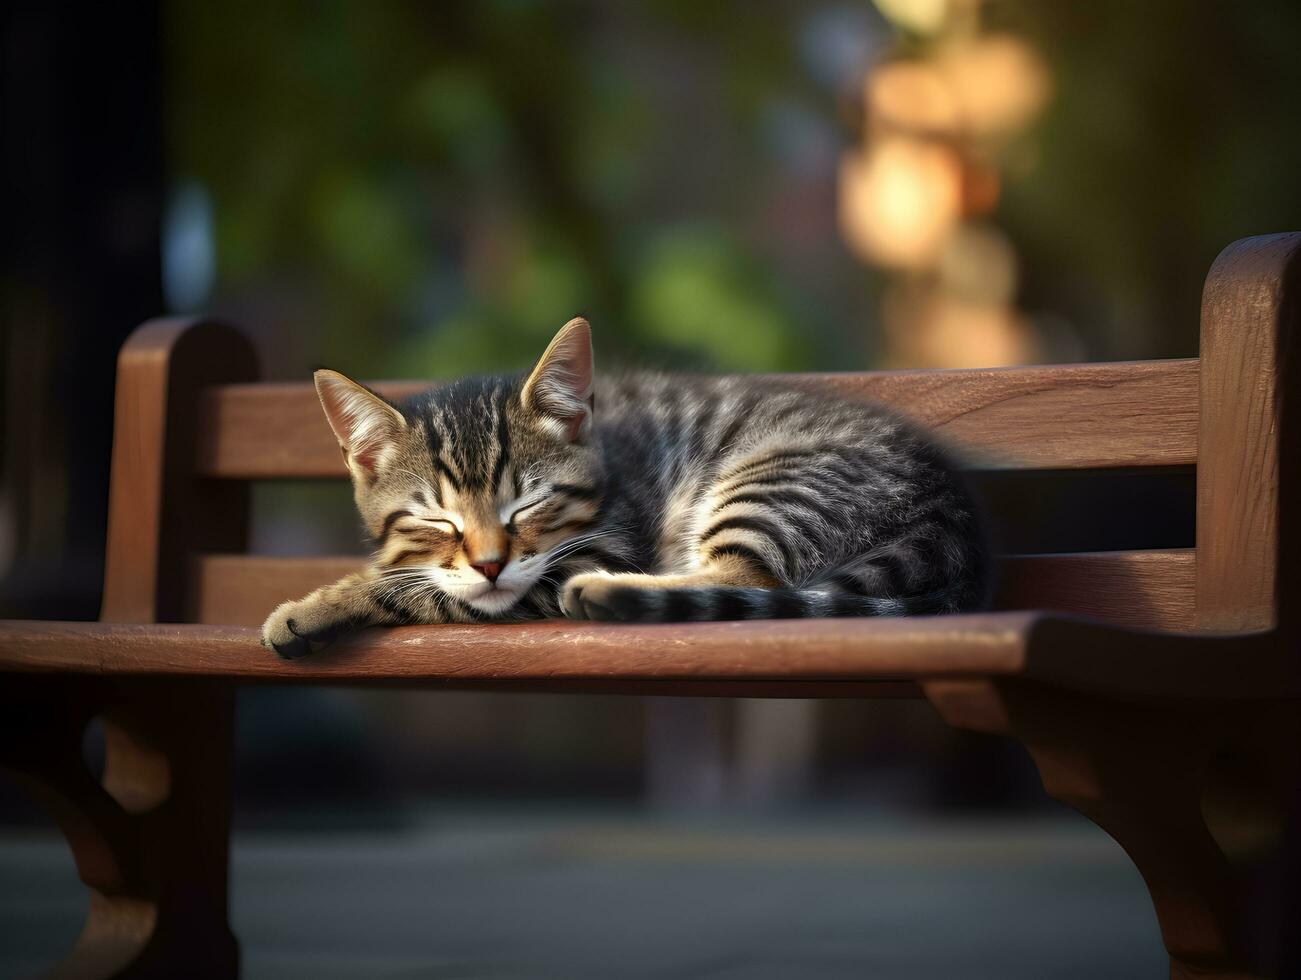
641,498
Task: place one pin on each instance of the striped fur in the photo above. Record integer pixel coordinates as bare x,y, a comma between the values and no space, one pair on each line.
644,497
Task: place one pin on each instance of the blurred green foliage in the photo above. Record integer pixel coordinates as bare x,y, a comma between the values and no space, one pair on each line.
426,189
429,189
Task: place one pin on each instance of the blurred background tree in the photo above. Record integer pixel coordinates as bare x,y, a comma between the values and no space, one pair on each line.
429,189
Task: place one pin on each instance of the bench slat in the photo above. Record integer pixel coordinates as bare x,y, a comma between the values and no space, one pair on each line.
1153,590
1138,589
778,658
542,654
1055,417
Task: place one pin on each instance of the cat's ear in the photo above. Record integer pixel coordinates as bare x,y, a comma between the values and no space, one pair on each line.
559,389
363,422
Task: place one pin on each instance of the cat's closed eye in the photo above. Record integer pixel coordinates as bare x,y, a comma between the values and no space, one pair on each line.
439,525
521,511
442,524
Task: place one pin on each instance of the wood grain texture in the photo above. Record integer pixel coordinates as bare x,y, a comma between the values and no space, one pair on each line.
1070,416
555,650
1139,589
135,495
1249,439
159,512
1056,417
241,590
784,658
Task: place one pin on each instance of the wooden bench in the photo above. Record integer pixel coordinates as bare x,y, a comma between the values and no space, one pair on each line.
1145,663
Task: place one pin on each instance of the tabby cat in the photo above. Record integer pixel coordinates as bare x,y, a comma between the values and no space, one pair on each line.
641,498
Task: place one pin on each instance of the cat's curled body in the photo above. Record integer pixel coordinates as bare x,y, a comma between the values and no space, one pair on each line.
645,497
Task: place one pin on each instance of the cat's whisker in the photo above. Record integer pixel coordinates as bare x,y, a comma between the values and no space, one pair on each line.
571,544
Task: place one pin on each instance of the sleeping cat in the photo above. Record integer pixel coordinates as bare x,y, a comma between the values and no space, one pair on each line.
641,498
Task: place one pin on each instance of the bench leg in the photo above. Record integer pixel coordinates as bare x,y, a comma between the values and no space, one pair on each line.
151,838
1137,772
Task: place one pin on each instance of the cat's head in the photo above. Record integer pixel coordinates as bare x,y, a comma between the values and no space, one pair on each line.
474,486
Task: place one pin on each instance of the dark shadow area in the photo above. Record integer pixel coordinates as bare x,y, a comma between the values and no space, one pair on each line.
1037,511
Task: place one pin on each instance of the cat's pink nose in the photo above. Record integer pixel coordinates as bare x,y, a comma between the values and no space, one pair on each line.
489,570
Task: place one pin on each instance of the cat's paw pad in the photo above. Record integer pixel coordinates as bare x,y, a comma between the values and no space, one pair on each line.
579,591
604,597
296,629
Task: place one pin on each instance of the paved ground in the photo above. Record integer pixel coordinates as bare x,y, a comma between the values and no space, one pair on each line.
594,895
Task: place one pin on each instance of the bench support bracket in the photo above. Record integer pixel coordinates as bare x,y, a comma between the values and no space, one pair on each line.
150,838
1137,771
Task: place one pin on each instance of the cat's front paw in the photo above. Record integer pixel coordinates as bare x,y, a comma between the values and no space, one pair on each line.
604,596
305,626
572,599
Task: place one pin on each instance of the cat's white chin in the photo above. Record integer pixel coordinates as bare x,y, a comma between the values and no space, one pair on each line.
512,585
493,601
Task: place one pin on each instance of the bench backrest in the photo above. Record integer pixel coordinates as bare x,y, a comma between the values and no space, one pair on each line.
194,430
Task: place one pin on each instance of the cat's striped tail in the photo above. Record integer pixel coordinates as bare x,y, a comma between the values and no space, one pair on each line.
639,604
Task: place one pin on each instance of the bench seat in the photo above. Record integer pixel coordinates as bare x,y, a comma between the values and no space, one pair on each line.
788,658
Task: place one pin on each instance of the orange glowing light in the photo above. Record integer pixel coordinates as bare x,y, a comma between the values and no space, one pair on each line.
922,16
900,200
911,95
997,81
928,331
